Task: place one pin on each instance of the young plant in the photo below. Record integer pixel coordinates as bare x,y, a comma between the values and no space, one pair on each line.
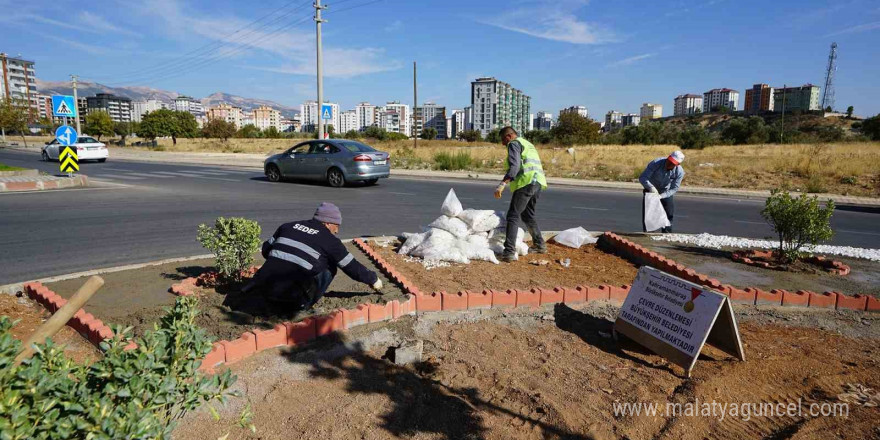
797,222
233,242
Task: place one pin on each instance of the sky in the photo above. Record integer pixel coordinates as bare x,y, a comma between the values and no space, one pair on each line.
602,55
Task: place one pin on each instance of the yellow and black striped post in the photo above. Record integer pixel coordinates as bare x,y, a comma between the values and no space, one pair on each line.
69,160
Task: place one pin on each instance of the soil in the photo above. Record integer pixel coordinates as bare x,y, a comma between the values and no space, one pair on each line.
717,263
31,315
555,374
138,298
589,266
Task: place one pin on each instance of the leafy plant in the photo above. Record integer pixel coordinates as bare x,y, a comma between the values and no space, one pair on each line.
139,393
428,133
457,161
99,123
218,129
572,128
797,222
233,241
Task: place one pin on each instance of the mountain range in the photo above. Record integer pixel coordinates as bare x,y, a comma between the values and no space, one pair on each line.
141,93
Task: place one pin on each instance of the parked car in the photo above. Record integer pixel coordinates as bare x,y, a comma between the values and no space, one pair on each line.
335,161
87,148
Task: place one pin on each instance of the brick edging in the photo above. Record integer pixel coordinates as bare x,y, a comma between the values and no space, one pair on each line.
757,258
38,185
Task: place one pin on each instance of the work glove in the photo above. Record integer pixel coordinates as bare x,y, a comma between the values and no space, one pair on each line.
498,190
653,190
377,286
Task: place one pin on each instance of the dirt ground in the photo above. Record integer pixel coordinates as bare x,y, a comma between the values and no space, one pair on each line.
31,315
554,374
864,278
139,297
589,266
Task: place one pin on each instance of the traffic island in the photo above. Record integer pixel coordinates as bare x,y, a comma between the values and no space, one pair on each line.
38,182
808,264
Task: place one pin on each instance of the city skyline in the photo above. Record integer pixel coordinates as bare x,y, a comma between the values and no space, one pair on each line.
607,62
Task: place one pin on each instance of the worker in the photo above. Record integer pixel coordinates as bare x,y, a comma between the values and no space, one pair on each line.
301,261
526,178
663,176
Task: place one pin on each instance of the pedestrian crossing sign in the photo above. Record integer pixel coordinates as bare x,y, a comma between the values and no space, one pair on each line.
326,112
63,105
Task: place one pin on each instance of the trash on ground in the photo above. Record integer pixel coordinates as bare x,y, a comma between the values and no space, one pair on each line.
575,237
539,262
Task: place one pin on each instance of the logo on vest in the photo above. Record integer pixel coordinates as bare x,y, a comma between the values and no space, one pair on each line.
305,229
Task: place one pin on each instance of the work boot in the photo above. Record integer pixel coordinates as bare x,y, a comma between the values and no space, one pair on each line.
508,258
542,249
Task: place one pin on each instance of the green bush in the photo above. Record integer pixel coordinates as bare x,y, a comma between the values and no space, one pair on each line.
351,134
449,162
134,394
472,135
695,137
233,241
428,133
797,222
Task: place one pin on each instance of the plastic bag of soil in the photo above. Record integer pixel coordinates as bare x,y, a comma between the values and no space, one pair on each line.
574,237
496,243
655,215
480,220
451,206
452,225
477,249
412,241
440,245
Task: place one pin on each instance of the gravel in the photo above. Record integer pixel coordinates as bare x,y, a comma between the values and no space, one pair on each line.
723,241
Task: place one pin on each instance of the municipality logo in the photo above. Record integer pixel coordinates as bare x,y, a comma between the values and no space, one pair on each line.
689,306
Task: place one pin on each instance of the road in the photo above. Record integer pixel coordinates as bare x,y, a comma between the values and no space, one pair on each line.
141,211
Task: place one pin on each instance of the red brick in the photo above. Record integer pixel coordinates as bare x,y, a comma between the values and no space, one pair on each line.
742,296
769,298
552,296
301,332
454,301
20,186
827,300
800,298
408,307
395,309
378,312
80,321
479,300
215,357
598,293
275,337
528,298
575,295
873,304
356,316
56,302
329,323
858,302
240,348
94,329
503,299
429,302
618,293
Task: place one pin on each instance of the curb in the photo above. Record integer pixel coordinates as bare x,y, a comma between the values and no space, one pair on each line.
758,258
79,180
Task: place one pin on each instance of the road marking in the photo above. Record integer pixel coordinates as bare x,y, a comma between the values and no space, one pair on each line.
117,176
170,173
148,175
117,169
402,194
750,223
591,209
857,232
215,178
210,173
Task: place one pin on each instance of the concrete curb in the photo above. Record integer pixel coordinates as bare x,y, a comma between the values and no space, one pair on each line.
39,184
22,173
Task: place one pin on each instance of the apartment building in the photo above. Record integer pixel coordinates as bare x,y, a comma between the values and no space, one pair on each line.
630,119
349,120
543,121
715,99
18,81
228,113
612,120
802,98
688,104
431,115
265,117
497,104
44,107
759,99
189,104
366,114
140,108
457,123
577,109
309,112
118,107
651,111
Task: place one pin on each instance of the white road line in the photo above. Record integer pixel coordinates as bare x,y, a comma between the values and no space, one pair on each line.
215,178
750,223
402,194
210,173
856,232
117,176
117,169
147,175
170,173
591,209
239,171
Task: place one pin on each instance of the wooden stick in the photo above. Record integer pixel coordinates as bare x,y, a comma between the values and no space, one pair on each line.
60,318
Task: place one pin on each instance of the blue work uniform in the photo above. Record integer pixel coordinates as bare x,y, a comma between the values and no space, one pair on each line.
667,183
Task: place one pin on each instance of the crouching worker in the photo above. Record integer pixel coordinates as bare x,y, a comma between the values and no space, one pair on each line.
301,261
663,176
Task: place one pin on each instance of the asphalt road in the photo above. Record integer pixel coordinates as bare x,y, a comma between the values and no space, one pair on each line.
140,211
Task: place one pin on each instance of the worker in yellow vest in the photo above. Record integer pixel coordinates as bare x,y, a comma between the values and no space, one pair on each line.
526,177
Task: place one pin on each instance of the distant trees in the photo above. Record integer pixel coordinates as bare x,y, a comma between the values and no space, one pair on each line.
164,122
98,124
428,133
695,137
352,134
849,111
219,129
470,135
494,136
871,127
538,136
124,129
14,117
746,131
572,128
248,131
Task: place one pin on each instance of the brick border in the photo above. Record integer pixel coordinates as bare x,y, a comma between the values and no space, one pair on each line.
38,185
757,258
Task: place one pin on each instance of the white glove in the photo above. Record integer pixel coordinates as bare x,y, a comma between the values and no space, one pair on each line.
653,190
377,286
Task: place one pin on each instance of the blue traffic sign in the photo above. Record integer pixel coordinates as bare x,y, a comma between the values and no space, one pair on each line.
326,112
63,105
66,135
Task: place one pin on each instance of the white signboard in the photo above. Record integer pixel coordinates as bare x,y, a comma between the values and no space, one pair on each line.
675,318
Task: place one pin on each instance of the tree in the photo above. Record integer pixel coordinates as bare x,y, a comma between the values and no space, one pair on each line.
271,132
538,136
99,123
494,136
218,129
871,127
695,137
164,122
374,132
248,131
187,126
746,131
572,128
849,111
351,134
470,135
123,129
829,109
14,117
797,222
428,133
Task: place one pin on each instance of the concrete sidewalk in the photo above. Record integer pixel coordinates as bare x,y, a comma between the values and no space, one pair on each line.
41,182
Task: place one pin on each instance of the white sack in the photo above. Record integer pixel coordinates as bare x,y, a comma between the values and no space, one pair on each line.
451,225
476,247
574,237
480,220
440,245
451,205
412,240
655,215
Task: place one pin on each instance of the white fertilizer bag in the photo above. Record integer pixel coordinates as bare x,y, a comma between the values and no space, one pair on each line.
574,237
655,215
451,225
412,240
451,205
480,220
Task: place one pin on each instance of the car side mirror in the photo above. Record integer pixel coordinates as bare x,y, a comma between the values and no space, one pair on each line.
292,155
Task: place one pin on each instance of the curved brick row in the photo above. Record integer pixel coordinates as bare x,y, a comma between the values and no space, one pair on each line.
758,258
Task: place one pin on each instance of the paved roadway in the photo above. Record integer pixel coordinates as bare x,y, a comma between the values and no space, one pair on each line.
146,211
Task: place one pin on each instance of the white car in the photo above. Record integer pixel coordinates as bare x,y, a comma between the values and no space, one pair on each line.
87,148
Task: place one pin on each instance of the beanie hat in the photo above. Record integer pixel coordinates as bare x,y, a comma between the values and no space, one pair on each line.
677,157
328,213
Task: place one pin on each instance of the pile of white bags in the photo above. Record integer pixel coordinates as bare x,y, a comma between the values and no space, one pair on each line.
461,235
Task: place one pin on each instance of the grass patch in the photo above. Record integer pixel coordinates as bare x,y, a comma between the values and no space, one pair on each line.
4,167
461,160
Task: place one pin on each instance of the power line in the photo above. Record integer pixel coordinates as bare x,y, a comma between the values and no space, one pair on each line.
352,7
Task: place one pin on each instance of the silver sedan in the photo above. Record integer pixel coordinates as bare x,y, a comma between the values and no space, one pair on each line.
335,161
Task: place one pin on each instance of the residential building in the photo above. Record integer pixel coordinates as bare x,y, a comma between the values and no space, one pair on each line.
578,109
630,119
531,121
349,120
759,99
82,109
497,104
651,111
44,106
469,117
247,118
118,107
18,81
289,125
404,115
189,104
688,104
140,108
715,99
390,120
612,120
803,98
431,115
309,112
457,123
226,112
366,115
543,121
265,117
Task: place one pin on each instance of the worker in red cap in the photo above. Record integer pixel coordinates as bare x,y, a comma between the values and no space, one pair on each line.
663,176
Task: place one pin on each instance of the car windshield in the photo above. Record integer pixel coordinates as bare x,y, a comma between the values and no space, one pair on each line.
356,147
86,140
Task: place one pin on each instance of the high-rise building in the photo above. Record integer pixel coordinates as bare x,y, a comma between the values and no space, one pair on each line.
118,107
431,115
289,125
630,119
715,99
366,115
651,111
759,99
309,112
688,104
543,121
404,117
190,105
802,98
578,109
18,81
349,120
497,104
265,117
226,112
140,108
44,106
469,118
457,123
247,118
612,120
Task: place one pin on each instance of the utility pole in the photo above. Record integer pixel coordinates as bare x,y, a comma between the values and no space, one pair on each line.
782,130
75,103
318,21
415,104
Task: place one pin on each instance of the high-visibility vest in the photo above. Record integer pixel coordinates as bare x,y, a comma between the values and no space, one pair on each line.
530,168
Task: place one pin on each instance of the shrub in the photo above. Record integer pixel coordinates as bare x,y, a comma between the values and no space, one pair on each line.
374,132
572,128
139,393
458,161
471,135
695,137
233,241
494,136
428,133
538,136
797,222
218,129
395,136
351,134
871,127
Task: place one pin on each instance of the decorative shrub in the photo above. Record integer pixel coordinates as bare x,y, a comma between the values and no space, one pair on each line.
233,241
797,222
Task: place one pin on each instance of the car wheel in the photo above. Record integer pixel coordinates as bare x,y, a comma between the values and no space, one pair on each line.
371,182
102,160
273,173
45,156
335,178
